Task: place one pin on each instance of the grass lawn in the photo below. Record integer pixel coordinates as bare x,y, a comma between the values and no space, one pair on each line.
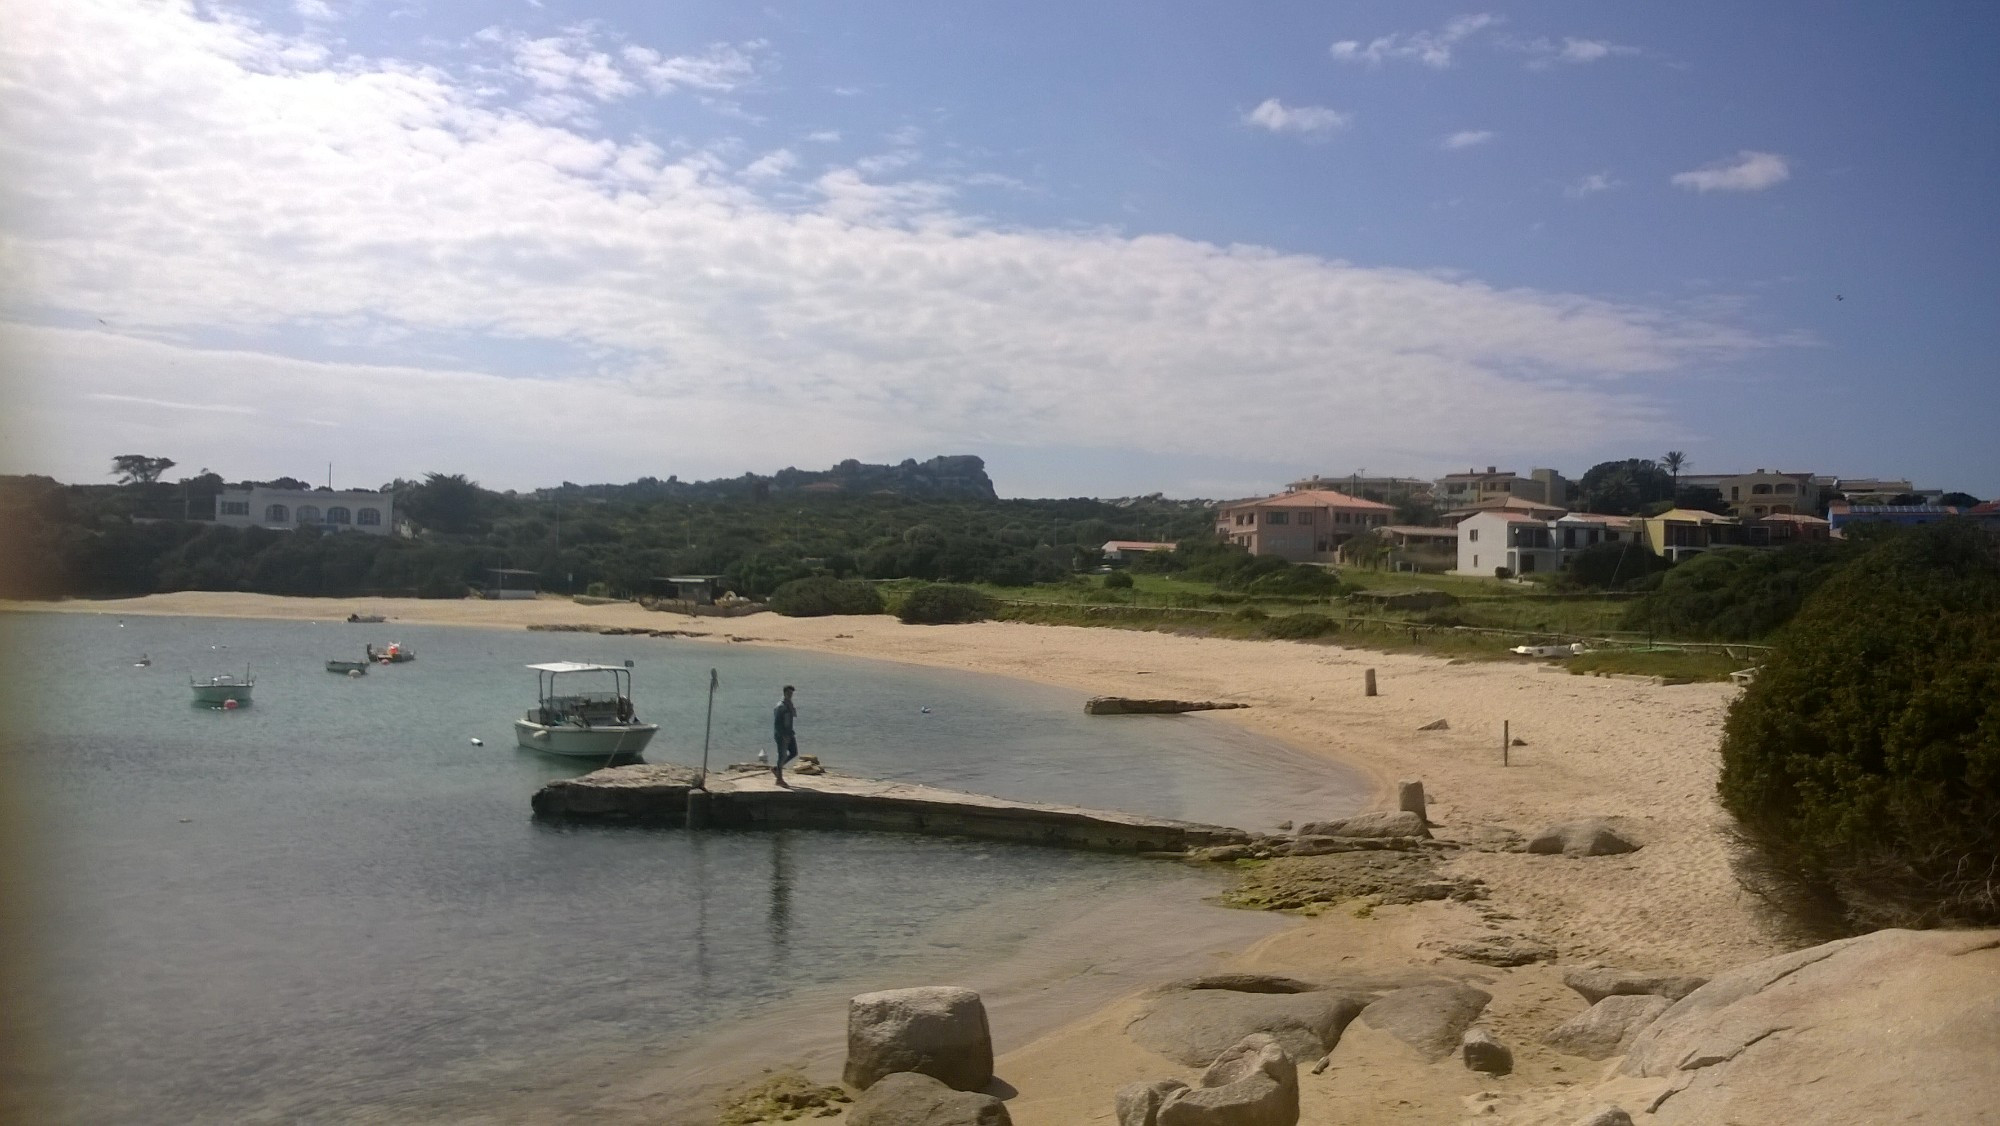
1674,664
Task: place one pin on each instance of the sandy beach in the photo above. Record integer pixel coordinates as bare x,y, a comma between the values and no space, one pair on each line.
1587,746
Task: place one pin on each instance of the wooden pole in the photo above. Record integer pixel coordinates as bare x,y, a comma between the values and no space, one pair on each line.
707,728
1506,740
1369,683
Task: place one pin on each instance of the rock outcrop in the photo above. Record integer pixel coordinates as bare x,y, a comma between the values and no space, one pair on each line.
1589,836
1126,705
1390,823
1595,983
1894,1026
1606,1116
1607,1027
1254,1083
1429,1018
906,1098
938,1030
1481,1051
1195,1022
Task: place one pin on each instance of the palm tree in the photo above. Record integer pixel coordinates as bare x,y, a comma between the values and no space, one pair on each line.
1674,462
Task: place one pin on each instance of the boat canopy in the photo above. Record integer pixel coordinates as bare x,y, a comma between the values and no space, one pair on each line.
576,666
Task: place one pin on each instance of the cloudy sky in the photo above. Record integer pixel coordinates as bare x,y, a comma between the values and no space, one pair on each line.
1113,247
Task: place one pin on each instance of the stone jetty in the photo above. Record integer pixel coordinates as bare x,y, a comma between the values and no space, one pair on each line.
660,794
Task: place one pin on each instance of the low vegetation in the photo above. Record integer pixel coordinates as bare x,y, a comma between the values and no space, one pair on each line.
1864,762
943,604
822,595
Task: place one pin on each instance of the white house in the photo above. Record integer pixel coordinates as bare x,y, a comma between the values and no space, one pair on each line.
1526,544
283,509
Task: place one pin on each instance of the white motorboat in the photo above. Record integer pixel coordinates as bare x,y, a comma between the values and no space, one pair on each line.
225,691
574,721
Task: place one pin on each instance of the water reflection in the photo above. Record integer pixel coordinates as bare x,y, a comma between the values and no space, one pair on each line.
781,893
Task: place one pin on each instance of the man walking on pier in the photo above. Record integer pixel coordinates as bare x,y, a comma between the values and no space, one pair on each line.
783,719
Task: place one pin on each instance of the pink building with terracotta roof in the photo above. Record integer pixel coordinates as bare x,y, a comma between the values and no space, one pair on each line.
1307,526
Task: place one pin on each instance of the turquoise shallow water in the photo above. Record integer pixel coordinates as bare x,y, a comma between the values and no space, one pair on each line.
330,906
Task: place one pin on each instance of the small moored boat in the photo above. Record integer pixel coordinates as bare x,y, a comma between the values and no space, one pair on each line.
583,722
366,618
225,691
395,654
349,667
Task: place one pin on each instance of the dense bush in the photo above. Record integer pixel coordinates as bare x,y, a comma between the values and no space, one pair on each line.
941,603
1298,627
1736,594
1118,580
1865,759
1609,566
823,594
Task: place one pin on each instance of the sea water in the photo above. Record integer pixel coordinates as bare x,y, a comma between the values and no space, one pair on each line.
333,905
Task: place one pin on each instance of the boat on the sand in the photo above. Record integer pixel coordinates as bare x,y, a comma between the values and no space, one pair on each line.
583,711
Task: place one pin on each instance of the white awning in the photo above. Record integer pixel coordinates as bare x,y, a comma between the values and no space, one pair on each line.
576,666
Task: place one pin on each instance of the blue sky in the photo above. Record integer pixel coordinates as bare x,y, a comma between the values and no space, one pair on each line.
1115,248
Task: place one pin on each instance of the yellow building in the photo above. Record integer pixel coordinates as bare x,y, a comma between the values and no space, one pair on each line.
1681,532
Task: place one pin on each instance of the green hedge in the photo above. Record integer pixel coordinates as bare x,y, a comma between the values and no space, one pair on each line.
942,603
1299,627
1864,762
823,595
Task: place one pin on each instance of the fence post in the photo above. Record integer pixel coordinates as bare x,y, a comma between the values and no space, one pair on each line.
1506,740
1369,683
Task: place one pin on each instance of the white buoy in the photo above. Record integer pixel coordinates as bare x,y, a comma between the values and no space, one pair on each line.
478,742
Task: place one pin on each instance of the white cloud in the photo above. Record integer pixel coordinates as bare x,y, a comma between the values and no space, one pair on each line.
1279,118
1592,184
1749,171
407,255
1544,52
721,68
1467,138
1431,48
771,165
313,9
824,136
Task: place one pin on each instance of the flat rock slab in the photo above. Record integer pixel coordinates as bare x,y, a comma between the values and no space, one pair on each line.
658,794
1595,983
1195,1026
1390,823
1429,1018
1125,705
1893,1026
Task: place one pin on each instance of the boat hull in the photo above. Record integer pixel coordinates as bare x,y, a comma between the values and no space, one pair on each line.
600,742
347,666
216,695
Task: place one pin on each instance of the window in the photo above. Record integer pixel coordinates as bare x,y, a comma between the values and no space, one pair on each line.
338,515
1305,517
308,514
371,516
1735,493
1777,508
1279,518
1759,490
277,514
1787,487
236,508
1473,535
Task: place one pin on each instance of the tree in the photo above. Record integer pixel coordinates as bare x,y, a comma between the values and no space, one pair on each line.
1621,488
138,469
1701,498
446,502
1959,500
1673,463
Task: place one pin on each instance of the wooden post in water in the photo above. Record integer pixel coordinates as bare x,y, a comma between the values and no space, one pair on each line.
697,809
1368,682
707,729
1506,741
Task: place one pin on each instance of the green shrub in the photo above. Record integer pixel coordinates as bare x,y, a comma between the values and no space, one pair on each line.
1864,762
1118,580
1298,627
1736,594
1297,579
1609,566
1249,614
822,594
942,603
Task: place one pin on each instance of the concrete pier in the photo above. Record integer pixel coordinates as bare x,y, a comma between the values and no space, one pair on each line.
657,794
